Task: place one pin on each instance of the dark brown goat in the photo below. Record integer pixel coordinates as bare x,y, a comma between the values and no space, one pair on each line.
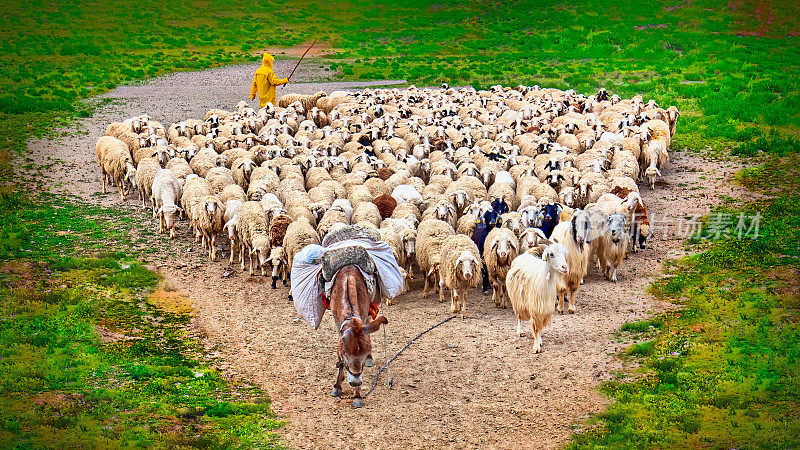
350,304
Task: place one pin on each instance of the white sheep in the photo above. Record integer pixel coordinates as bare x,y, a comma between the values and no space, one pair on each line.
232,207
532,285
299,234
145,174
208,217
253,229
116,165
366,212
431,236
499,250
407,193
166,191
460,270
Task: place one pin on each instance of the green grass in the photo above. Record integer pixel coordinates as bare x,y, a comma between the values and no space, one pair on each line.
725,370
61,386
48,226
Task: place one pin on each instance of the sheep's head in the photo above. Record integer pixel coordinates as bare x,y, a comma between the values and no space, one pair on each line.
277,259
211,207
581,228
460,198
260,249
554,178
409,240
555,255
513,221
505,248
633,201
230,227
530,238
163,156
466,265
435,265
318,210
167,214
567,196
651,173
584,189
129,181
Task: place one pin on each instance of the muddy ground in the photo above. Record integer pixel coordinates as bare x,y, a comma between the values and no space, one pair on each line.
469,382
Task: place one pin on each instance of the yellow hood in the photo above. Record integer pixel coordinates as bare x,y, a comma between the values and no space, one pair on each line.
266,64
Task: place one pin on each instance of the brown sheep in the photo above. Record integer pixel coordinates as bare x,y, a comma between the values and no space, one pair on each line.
386,205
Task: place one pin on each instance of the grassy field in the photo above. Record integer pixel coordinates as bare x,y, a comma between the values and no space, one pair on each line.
96,352
723,372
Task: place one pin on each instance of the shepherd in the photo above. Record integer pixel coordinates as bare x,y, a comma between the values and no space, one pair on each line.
264,82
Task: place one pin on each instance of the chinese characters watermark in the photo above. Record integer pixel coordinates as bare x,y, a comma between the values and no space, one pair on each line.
718,225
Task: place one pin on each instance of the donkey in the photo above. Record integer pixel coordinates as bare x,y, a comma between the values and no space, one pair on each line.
350,305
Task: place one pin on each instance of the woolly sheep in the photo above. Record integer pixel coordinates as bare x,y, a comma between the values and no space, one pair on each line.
253,230
145,174
406,193
219,178
307,101
513,222
431,236
232,207
166,191
499,250
116,165
460,270
331,217
194,189
280,265
207,215
299,234
232,192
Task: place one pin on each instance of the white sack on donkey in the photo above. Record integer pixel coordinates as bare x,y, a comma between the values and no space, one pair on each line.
309,285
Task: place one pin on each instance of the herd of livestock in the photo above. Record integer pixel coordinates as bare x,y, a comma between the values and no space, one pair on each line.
515,189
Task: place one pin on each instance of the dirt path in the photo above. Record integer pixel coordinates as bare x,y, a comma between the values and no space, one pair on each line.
470,382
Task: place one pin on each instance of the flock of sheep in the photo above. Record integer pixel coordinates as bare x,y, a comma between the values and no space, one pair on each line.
521,187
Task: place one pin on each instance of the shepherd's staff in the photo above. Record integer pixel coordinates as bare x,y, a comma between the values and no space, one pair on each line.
301,58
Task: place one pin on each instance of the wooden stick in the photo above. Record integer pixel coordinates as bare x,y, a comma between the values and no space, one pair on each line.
301,58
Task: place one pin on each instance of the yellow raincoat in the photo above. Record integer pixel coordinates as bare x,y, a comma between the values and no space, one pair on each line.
264,82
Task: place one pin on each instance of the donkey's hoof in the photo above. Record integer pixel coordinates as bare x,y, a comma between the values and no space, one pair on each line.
369,361
336,392
358,402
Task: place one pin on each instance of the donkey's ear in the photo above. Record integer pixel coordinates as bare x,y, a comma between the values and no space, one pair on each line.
375,324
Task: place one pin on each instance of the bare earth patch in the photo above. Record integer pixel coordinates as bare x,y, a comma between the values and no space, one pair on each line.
467,383
319,49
